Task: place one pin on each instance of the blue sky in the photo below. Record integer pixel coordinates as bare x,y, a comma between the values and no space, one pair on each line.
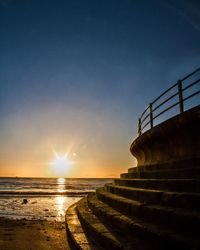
81,72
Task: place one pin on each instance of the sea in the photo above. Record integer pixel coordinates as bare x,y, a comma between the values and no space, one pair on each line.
43,198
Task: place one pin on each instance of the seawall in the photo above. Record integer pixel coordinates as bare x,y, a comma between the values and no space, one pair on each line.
174,142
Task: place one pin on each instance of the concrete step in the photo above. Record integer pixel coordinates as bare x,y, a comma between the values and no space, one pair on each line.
149,235
174,185
75,233
170,217
103,235
185,173
150,196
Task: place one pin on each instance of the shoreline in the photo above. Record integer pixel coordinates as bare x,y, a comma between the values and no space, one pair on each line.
25,234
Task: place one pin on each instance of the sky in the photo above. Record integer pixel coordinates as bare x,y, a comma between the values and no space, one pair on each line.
75,76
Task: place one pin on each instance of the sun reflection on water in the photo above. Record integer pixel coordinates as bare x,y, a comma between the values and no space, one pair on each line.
60,200
63,201
61,184
61,181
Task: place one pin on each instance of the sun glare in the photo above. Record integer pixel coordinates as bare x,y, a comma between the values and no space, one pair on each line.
61,165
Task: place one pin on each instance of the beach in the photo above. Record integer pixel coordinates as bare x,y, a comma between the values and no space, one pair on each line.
43,198
32,234
32,210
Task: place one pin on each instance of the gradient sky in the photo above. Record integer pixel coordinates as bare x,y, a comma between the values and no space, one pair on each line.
75,76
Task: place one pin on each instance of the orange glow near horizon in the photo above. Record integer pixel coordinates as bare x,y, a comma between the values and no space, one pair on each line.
32,146
79,168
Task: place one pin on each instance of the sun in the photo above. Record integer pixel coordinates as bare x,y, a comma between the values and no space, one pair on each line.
61,165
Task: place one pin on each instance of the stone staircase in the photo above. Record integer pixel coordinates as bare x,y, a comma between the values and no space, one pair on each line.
154,205
136,212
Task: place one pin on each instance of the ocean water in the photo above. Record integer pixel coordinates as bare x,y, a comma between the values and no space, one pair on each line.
43,198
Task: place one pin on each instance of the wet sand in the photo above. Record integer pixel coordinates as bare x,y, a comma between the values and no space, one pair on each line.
32,235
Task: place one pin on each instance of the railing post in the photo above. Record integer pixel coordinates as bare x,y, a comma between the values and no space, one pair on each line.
151,115
180,94
139,127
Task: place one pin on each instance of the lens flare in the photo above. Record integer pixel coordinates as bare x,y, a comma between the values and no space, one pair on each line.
61,165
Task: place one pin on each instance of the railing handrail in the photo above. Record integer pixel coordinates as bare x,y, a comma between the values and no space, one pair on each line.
180,89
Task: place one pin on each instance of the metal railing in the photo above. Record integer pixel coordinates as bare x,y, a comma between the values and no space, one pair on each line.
178,91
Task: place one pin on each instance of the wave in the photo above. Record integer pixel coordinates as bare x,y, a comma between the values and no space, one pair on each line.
44,193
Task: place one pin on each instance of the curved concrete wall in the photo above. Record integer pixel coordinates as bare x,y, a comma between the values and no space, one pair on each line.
173,141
